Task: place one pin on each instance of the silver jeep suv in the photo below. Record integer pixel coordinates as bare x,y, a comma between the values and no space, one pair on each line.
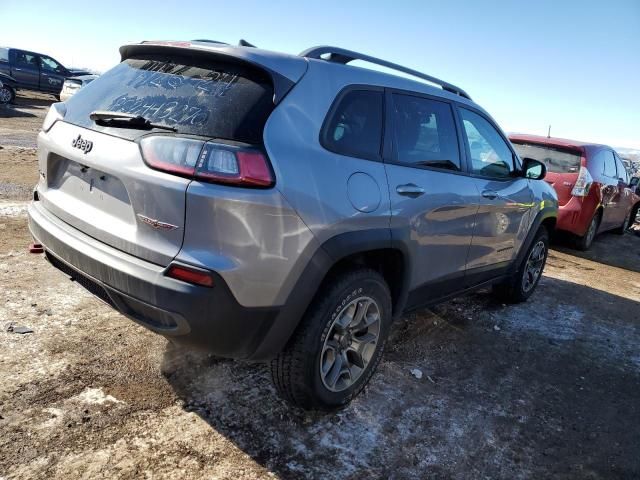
283,208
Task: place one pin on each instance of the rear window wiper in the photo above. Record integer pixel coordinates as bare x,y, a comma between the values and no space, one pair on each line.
125,120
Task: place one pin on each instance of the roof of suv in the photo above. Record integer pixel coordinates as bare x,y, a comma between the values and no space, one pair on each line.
294,66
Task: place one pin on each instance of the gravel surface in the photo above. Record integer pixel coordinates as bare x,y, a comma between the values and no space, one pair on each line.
549,388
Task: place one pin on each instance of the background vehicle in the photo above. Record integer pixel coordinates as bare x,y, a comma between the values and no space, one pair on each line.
7,89
284,208
35,71
591,181
72,84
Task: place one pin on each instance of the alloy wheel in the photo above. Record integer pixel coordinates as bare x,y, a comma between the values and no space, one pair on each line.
534,266
350,344
5,95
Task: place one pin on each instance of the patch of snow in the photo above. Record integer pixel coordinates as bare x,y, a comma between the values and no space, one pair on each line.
13,209
560,323
416,372
57,415
96,396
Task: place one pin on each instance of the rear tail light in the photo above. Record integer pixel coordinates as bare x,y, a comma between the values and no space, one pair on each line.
171,154
207,161
583,183
193,275
56,112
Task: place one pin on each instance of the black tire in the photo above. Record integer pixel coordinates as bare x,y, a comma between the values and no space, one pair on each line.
7,95
584,243
519,287
296,372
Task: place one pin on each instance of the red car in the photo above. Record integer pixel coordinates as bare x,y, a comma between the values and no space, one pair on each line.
591,182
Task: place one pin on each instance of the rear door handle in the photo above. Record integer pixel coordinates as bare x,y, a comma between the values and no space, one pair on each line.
490,194
410,190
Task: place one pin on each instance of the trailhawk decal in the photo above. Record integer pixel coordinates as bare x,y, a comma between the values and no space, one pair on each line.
152,222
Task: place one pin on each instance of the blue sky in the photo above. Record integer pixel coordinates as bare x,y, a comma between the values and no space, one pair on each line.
572,64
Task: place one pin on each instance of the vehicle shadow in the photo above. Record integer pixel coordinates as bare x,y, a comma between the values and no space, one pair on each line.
12,111
622,251
33,100
546,388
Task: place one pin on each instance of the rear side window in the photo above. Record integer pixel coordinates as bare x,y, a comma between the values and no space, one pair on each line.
557,160
197,96
354,127
4,54
622,170
425,133
609,165
25,59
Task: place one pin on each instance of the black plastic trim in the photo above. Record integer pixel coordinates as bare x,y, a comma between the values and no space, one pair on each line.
541,216
325,257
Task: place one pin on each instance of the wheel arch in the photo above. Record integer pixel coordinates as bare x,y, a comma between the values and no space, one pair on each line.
372,248
546,217
375,249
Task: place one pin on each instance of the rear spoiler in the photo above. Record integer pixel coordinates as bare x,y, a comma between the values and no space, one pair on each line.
285,70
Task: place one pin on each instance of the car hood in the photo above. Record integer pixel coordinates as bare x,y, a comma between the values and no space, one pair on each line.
77,72
83,78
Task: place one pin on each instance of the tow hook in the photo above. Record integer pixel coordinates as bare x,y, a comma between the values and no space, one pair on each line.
36,248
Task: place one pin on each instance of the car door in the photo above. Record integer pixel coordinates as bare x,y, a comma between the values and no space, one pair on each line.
611,209
52,74
504,197
625,198
433,200
26,69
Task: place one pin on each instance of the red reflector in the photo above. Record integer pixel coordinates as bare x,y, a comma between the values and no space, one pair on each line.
254,169
190,275
36,248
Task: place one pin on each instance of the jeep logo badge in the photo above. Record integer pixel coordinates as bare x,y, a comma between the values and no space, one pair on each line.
82,144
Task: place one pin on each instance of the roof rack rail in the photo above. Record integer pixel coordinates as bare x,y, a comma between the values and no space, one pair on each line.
340,55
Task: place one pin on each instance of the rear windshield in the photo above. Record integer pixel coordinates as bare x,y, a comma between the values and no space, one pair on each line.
557,160
4,54
196,96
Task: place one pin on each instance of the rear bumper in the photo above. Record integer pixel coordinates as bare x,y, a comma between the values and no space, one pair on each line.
200,317
575,215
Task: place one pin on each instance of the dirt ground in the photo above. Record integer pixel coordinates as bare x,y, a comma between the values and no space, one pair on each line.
549,388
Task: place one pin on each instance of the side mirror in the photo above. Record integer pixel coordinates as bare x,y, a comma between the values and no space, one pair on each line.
533,169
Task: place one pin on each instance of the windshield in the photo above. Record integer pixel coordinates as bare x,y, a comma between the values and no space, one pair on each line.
197,97
557,160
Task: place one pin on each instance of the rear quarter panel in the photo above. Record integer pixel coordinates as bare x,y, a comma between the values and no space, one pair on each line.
311,178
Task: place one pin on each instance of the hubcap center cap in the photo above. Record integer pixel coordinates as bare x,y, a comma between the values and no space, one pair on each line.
345,341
